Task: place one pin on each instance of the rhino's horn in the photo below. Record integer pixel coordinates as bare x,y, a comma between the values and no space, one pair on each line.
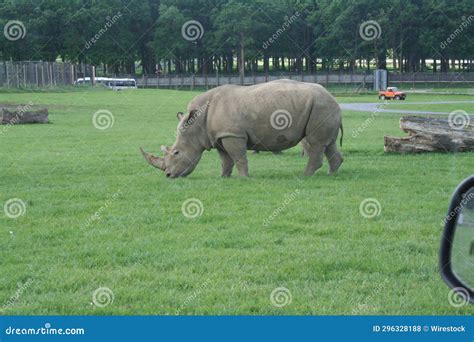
157,162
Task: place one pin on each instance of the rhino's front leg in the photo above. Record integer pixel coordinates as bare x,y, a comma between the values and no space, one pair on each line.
236,148
226,162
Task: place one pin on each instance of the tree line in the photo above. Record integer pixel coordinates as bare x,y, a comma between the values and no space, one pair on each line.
226,36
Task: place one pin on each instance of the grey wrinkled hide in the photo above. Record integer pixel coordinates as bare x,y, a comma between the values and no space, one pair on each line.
272,116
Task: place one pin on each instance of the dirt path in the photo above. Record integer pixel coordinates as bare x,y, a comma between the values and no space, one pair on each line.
375,107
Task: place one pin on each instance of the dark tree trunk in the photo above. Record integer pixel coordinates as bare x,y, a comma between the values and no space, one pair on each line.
432,135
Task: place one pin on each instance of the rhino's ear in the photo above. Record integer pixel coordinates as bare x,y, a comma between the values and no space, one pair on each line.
179,115
192,114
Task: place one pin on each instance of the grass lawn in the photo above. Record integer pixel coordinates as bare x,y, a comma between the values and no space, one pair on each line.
154,260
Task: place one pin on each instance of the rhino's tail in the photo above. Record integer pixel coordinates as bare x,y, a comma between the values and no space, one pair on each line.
342,134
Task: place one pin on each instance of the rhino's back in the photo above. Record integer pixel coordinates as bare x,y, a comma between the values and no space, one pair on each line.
271,116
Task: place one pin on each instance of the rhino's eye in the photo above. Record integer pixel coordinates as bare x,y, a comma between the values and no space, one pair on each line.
176,152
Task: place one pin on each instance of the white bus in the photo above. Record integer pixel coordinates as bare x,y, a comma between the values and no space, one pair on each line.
121,83
112,83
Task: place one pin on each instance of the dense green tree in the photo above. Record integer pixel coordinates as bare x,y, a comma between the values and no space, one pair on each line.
242,35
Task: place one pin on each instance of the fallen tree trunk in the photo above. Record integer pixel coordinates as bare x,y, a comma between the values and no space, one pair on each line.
23,115
431,134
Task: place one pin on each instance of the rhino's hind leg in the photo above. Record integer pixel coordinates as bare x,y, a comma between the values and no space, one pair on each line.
316,154
334,157
226,162
305,147
236,148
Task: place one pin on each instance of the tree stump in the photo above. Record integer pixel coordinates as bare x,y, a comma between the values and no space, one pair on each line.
431,135
23,114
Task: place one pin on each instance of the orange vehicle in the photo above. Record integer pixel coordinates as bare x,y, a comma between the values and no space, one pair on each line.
392,93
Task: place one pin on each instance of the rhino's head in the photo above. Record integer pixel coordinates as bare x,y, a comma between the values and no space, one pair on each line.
181,159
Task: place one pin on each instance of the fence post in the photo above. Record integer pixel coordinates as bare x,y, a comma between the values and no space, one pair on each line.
93,75
36,75
6,73
42,74
23,69
53,74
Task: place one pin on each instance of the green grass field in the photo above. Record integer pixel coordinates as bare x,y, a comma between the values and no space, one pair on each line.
331,258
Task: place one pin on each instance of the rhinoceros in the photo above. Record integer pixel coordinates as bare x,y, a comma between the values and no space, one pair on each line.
272,116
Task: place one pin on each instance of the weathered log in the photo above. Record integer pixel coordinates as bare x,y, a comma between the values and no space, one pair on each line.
23,115
431,134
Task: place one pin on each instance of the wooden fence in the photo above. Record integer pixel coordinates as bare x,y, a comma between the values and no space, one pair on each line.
425,77
41,74
47,74
362,81
192,81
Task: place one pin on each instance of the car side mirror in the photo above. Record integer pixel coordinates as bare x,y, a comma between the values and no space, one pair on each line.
457,244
